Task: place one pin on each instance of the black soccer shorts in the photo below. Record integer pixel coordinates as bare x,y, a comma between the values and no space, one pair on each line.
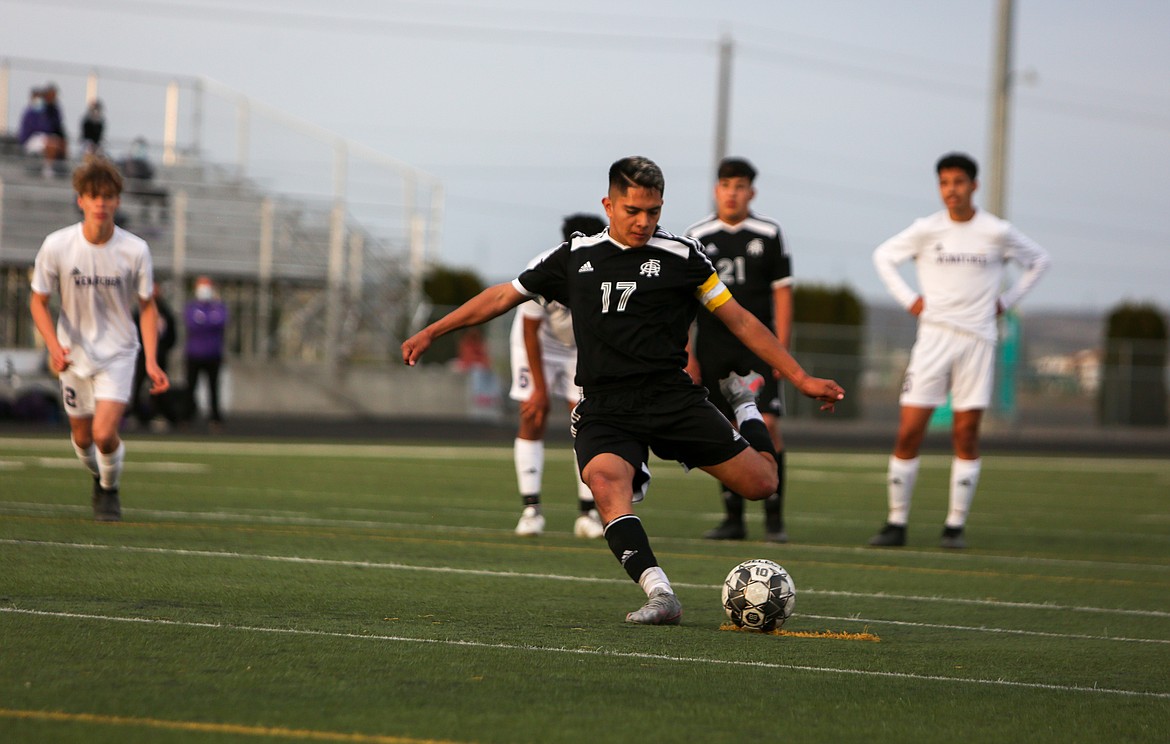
673,419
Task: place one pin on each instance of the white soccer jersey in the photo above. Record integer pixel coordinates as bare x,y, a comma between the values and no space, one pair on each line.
961,267
556,326
100,285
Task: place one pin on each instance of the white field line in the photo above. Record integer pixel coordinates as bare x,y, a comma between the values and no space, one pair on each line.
396,522
598,653
833,461
562,577
70,463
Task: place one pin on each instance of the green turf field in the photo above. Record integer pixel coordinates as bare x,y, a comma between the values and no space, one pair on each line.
364,593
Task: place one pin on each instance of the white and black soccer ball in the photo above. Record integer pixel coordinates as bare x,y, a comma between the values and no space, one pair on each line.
759,595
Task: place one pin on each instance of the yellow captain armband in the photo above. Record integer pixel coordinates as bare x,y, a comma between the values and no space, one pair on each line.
713,293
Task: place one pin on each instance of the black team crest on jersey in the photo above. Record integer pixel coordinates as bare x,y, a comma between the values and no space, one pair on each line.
652,268
755,247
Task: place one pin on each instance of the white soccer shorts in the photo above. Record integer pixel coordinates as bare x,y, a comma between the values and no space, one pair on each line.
79,393
947,360
559,370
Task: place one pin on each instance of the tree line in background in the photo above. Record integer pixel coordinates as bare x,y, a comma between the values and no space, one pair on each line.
829,337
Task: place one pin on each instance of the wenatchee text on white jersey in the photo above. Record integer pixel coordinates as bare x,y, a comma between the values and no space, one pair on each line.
99,285
961,269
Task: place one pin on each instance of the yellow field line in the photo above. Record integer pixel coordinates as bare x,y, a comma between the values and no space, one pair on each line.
274,732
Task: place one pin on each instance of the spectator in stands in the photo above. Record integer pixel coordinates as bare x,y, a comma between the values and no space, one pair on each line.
137,165
93,125
139,173
206,318
40,129
154,409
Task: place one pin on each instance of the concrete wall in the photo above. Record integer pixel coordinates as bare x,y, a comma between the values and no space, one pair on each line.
393,390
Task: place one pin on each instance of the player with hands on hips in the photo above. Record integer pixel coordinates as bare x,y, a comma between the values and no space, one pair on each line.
961,255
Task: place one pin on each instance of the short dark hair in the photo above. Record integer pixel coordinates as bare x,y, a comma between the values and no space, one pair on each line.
97,176
636,172
587,224
958,160
736,168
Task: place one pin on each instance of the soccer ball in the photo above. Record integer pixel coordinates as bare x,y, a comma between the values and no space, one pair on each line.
759,595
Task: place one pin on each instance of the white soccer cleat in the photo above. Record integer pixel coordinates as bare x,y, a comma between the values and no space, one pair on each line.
531,522
662,608
740,389
589,526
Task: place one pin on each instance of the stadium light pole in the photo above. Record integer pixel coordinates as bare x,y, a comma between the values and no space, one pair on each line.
1001,99
723,97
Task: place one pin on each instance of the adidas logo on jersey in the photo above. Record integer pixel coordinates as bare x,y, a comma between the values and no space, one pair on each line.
585,267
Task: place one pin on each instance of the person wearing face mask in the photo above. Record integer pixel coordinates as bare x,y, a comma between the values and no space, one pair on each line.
40,128
206,318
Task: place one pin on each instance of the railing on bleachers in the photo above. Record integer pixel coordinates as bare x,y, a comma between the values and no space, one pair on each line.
319,243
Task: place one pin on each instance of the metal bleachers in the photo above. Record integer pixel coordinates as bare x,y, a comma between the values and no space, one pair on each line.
313,268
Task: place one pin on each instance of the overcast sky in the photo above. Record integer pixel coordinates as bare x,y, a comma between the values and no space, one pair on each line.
519,107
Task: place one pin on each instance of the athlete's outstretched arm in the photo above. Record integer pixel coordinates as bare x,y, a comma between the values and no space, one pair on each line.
488,304
756,336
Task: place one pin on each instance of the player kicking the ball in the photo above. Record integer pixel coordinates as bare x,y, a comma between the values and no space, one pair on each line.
100,271
633,291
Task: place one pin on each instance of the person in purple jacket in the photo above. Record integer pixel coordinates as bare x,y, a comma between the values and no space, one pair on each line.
41,132
205,317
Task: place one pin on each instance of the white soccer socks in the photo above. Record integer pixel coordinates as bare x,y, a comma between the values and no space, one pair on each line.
964,479
900,481
87,456
110,466
529,456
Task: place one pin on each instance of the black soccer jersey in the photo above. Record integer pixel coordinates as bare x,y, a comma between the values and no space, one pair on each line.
750,259
632,307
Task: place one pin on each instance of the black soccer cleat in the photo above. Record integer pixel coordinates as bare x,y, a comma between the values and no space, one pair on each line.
952,537
727,530
774,531
776,536
107,507
891,536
